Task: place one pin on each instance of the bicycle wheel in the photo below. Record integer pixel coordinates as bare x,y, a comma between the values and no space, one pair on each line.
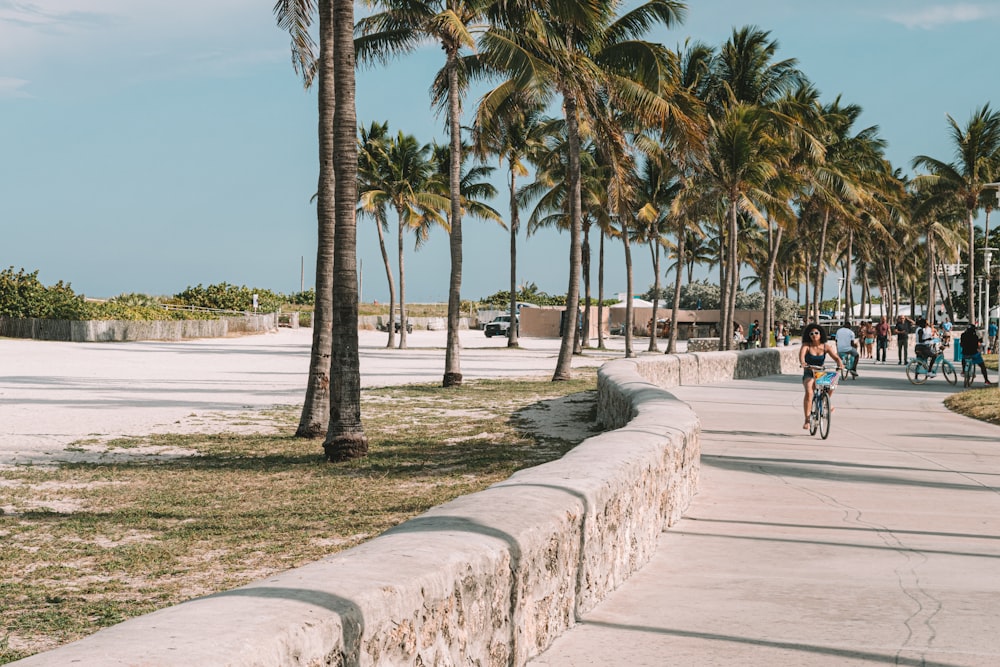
916,372
814,414
824,415
970,373
949,372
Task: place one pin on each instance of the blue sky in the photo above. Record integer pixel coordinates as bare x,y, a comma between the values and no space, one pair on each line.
149,146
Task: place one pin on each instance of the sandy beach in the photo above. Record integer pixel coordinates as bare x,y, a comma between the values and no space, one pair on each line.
54,394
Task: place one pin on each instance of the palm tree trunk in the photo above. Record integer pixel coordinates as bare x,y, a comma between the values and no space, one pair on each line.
565,360
514,225
402,284
600,292
724,284
392,285
772,261
970,286
653,332
316,408
584,337
931,282
628,293
820,265
345,436
734,276
848,289
452,359
672,344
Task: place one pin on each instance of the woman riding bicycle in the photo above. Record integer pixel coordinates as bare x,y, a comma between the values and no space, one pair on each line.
813,353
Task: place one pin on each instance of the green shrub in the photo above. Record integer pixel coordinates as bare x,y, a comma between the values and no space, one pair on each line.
527,294
134,299
307,298
23,295
224,296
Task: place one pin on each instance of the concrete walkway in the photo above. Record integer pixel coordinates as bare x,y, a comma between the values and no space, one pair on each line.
879,545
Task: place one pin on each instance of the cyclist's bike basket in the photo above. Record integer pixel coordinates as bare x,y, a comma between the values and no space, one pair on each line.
827,379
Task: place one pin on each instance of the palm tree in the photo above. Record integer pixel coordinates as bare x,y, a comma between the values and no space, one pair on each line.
474,187
745,155
655,193
401,27
406,183
576,50
334,359
977,152
372,165
745,73
296,17
511,135
345,436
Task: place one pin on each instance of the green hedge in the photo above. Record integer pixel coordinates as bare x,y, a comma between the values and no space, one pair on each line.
22,295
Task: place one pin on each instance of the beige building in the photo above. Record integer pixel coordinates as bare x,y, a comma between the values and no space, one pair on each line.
544,322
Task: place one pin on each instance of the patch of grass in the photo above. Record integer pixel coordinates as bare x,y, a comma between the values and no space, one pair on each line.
87,545
991,361
982,404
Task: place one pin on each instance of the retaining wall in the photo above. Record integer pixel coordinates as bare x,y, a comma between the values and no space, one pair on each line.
90,331
490,578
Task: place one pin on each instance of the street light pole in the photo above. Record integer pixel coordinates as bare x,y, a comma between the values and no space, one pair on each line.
980,318
988,254
987,259
840,286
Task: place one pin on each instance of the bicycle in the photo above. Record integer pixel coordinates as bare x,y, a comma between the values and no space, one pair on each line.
968,371
821,412
919,369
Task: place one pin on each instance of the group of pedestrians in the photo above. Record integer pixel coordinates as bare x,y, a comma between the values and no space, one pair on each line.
844,347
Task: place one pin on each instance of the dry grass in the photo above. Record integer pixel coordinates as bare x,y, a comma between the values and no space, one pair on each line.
982,404
88,545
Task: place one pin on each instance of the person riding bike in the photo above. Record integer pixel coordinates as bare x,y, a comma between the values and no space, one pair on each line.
847,349
927,342
813,352
971,343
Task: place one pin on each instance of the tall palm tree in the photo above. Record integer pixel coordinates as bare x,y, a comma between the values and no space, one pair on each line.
296,17
745,155
977,153
406,183
401,27
335,372
575,50
372,166
745,85
345,436
511,135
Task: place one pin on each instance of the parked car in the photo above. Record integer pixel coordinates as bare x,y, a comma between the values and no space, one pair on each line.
409,325
500,326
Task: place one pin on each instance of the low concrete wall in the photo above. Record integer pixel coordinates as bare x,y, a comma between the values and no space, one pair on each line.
91,331
490,578
419,323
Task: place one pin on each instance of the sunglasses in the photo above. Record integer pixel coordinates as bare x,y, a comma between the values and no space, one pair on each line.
813,333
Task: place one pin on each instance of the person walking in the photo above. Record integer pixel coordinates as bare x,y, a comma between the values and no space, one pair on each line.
971,345
903,328
991,331
882,331
867,339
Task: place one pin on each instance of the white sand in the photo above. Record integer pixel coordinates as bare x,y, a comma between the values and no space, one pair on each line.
55,394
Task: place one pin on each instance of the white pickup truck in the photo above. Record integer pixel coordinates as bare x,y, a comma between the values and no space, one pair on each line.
500,326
